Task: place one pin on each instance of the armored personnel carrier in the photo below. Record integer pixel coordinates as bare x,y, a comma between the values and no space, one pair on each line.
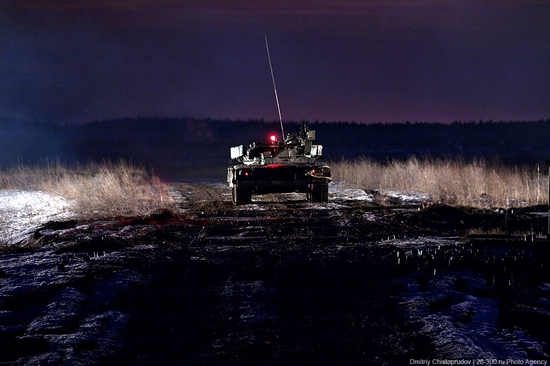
292,165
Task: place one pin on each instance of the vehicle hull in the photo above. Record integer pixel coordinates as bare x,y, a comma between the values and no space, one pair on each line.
279,178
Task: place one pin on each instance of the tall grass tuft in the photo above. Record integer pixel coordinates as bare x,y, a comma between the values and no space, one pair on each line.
107,189
475,183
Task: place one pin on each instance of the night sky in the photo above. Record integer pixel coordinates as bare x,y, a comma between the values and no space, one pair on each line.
365,61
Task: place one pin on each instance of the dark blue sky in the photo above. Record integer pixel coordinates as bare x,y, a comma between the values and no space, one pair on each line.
368,61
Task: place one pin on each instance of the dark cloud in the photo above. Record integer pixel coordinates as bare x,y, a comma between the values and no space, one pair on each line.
364,61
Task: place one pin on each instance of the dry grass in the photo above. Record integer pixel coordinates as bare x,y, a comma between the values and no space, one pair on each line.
449,181
95,190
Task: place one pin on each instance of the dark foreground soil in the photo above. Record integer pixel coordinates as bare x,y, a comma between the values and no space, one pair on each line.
278,282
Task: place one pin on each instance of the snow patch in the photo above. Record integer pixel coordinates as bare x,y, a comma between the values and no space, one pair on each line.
23,211
403,198
337,191
462,325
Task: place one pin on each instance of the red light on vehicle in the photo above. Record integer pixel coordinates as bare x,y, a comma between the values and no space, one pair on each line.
273,139
312,171
246,174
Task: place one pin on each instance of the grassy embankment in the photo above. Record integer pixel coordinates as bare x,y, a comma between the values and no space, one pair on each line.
95,190
475,183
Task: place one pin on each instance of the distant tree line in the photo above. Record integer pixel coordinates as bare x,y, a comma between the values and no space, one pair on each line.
176,146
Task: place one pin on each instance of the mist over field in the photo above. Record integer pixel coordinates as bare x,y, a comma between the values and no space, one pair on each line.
179,149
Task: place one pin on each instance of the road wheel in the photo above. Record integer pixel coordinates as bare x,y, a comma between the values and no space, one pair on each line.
241,196
318,193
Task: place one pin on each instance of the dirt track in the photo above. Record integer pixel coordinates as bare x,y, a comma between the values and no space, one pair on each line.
281,281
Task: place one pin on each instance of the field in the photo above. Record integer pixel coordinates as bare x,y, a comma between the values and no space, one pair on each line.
455,182
380,275
108,189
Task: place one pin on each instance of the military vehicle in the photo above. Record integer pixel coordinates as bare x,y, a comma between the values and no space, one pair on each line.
292,165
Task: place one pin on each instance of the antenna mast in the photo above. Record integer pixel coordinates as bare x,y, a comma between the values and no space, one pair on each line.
275,88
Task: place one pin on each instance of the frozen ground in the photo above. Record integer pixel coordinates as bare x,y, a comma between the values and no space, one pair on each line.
23,211
276,282
457,303
466,325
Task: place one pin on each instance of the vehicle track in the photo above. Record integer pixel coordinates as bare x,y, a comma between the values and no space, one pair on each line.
279,281
284,281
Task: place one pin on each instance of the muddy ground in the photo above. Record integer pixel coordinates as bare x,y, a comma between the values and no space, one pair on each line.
280,281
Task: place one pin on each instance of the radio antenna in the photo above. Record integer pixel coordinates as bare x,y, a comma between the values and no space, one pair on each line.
275,88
